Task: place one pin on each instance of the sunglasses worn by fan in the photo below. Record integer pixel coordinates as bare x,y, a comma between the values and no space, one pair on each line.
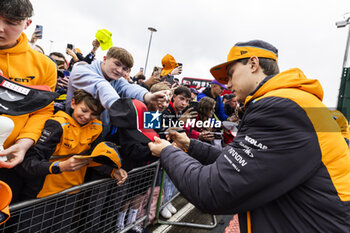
59,62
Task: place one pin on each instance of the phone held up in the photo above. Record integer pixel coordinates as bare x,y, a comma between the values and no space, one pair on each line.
194,105
69,46
157,70
180,66
39,31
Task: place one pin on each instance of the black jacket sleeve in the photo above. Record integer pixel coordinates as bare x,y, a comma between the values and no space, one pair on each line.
276,149
36,162
89,58
144,86
134,153
208,153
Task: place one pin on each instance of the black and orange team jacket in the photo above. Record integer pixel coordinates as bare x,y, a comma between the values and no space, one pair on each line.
287,170
61,137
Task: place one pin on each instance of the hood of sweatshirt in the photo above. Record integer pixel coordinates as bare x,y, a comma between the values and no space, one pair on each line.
21,47
293,78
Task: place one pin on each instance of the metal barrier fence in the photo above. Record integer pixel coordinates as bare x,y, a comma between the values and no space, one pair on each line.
161,205
90,207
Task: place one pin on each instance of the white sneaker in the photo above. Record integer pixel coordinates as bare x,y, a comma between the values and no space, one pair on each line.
165,213
119,228
171,208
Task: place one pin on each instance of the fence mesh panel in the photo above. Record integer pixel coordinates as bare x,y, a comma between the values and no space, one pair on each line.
91,207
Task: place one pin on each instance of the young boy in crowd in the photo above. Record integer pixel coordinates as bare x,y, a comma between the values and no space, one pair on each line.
65,136
24,66
103,80
153,106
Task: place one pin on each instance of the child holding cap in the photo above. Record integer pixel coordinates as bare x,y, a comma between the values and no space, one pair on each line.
64,137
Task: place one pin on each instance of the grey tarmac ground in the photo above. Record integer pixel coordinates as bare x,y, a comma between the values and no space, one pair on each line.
192,216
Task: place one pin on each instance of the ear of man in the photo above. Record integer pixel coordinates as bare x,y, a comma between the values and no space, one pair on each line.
254,64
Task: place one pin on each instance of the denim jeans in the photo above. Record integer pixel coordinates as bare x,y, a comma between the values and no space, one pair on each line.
169,188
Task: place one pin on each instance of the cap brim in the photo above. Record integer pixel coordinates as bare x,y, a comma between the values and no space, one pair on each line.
100,159
104,153
142,135
5,211
6,197
107,45
219,72
165,72
236,53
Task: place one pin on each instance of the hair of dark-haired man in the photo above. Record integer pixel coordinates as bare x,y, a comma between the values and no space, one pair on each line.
183,91
58,54
40,48
269,66
16,10
140,76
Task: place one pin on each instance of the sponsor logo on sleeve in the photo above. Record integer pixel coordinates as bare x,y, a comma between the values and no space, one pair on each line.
247,149
44,135
255,143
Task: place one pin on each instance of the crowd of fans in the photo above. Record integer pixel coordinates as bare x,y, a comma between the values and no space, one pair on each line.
98,106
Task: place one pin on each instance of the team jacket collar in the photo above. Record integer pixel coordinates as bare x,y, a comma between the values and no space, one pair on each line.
293,78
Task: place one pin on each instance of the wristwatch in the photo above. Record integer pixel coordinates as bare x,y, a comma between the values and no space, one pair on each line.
56,168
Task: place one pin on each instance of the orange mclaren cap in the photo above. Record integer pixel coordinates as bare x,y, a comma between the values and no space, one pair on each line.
168,63
5,200
105,153
242,50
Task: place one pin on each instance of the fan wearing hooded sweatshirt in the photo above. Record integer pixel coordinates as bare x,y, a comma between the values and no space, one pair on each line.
26,66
